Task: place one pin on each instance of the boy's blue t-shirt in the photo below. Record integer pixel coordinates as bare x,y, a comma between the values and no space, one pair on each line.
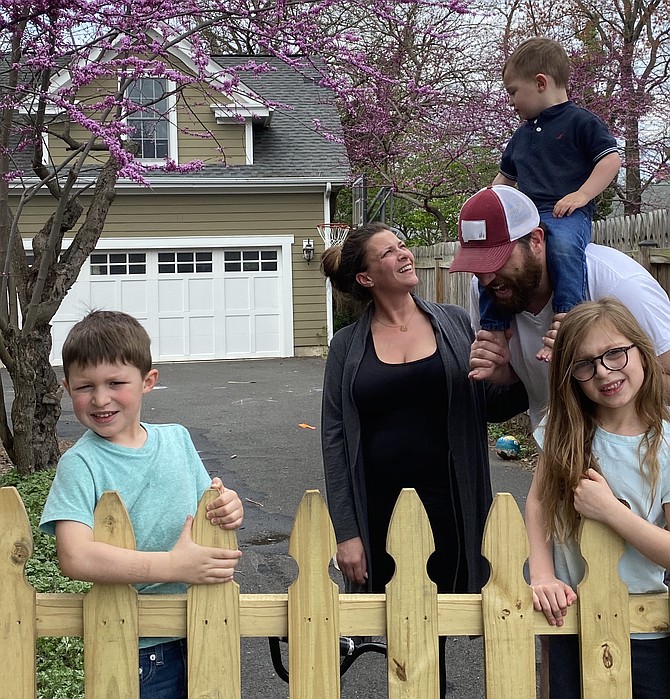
160,484
554,154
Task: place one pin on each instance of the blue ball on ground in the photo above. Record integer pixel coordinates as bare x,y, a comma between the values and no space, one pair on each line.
508,447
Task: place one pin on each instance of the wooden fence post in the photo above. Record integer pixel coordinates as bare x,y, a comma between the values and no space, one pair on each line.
604,625
507,605
18,632
313,605
213,620
111,617
411,603
646,247
439,286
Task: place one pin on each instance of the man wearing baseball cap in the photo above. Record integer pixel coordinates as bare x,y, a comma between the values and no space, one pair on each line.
502,242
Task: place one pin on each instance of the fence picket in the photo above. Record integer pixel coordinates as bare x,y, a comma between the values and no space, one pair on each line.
111,618
603,615
507,605
17,614
213,621
313,608
411,603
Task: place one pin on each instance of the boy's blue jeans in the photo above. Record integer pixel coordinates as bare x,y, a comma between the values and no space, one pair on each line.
163,671
566,241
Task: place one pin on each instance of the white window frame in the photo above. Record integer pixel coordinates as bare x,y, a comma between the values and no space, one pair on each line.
171,119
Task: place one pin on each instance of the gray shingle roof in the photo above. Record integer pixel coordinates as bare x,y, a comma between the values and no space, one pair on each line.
290,147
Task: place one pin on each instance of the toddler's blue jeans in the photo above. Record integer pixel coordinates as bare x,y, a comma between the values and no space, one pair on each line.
566,241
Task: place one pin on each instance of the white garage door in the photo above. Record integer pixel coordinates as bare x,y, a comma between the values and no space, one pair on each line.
196,303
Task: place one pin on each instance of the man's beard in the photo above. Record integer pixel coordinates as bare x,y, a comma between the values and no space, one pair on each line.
523,286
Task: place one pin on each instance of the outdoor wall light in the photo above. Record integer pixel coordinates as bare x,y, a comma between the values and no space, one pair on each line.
308,250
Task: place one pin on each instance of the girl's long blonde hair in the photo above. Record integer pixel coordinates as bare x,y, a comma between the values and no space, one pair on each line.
571,418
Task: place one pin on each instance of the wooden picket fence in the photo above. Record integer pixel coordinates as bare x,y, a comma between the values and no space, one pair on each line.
313,614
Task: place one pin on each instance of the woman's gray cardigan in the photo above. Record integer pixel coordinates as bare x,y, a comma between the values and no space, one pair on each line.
466,435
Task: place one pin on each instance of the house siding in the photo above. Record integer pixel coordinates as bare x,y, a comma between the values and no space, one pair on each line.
195,116
182,216
198,135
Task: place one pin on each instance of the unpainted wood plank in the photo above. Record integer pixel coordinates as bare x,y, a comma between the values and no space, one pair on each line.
313,610
213,621
507,605
18,632
604,626
111,619
411,603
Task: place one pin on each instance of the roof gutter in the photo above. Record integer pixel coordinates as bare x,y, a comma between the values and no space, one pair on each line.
210,185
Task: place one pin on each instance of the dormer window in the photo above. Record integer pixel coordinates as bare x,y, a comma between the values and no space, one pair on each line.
153,124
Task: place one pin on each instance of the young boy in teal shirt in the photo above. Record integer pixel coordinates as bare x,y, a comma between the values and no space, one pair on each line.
156,471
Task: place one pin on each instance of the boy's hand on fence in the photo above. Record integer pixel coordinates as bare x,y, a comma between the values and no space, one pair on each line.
490,358
570,202
195,564
553,597
351,560
226,511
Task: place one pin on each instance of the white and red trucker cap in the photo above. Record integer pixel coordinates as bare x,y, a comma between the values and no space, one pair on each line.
490,223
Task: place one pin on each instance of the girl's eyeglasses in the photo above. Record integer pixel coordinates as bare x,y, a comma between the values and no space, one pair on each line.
614,359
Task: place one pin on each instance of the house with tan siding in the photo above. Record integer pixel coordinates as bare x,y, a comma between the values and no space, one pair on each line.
211,262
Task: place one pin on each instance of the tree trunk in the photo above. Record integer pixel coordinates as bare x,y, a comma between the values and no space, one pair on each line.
36,407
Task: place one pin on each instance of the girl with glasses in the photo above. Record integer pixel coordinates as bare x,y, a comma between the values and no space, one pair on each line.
605,455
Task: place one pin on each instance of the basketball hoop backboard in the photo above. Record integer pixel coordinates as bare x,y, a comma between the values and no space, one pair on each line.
359,202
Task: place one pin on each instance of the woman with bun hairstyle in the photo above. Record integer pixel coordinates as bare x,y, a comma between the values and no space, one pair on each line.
400,412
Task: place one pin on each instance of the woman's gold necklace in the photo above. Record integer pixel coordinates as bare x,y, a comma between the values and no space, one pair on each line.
403,327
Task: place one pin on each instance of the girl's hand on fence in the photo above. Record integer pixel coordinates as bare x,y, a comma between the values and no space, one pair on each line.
553,597
226,511
194,564
594,498
351,560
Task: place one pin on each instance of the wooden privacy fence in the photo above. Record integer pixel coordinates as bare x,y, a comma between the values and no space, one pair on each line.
313,614
435,283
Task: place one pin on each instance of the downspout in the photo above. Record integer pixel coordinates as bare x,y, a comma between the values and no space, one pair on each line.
329,287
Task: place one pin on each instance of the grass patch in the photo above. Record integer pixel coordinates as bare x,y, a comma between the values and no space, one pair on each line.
60,661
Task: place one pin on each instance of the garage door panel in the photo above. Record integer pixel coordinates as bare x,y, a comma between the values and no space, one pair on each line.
266,293
171,297
236,294
171,337
201,296
103,294
267,333
201,334
237,335
134,297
